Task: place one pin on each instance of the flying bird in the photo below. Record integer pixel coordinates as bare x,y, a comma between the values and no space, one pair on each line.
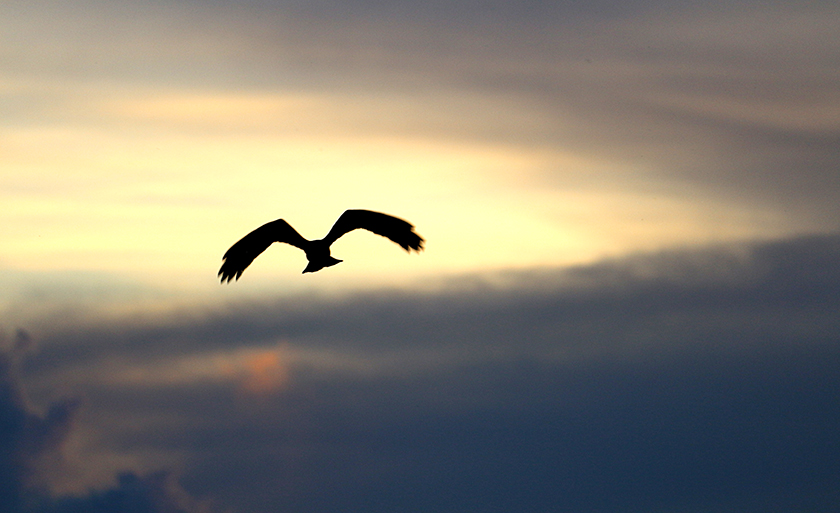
241,254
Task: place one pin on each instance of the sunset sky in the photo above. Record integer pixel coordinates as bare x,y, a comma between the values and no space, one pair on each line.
619,198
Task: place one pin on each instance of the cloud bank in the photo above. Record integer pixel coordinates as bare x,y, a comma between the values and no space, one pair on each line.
692,381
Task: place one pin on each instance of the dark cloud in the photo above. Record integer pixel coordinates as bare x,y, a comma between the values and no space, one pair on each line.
27,436
686,380
153,493
494,307
24,436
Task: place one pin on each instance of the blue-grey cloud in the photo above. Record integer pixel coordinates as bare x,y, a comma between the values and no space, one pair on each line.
26,436
154,493
692,381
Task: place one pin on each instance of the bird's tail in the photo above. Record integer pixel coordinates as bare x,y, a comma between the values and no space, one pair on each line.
317,265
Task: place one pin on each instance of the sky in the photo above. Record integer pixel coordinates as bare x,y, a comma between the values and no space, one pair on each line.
628,299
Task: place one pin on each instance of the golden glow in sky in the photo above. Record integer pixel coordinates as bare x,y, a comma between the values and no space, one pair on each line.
151,178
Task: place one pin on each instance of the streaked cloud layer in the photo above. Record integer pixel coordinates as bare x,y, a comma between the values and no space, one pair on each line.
141,138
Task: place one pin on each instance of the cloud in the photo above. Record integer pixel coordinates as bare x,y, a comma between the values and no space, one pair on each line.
718,117
603,127
682,380
24,436
28,439
153,493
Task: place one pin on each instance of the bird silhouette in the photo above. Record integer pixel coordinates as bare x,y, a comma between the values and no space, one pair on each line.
241,254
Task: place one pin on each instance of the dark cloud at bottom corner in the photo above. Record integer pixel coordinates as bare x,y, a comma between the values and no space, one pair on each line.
27,435
678,391
156,492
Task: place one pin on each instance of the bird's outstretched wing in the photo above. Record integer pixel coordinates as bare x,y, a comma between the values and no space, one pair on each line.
241,254
394,228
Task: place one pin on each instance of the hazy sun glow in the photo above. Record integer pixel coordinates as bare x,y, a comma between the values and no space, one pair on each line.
150,178
159,185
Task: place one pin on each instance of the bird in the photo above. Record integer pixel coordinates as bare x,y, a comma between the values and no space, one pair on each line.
240,255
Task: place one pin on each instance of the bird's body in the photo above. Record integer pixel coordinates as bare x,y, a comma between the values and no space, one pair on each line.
241,254
318,254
